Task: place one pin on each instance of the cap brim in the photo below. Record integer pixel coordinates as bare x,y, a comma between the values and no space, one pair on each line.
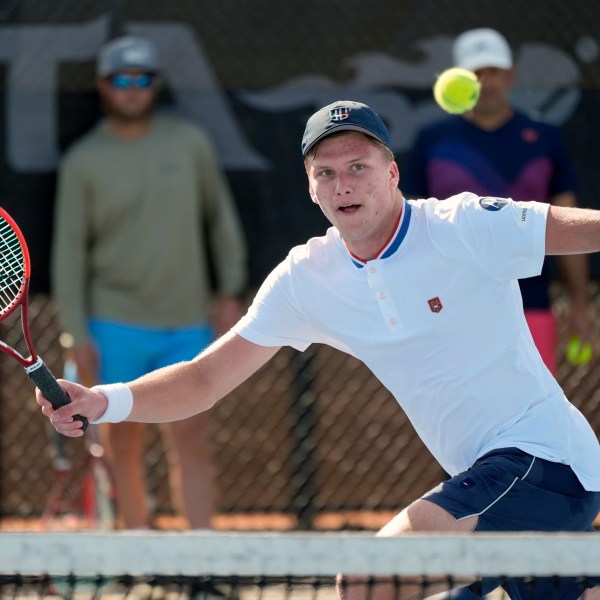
481,61
344,127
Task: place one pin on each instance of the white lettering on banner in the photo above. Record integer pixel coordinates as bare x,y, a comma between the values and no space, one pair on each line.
549,83
32,53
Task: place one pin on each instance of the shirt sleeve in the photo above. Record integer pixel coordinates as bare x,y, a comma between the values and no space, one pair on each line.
274,319
506,238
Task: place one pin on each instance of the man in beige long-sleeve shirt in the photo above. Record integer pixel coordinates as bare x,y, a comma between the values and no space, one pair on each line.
141,198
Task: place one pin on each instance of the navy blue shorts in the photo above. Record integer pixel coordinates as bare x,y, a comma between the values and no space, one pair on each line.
510,490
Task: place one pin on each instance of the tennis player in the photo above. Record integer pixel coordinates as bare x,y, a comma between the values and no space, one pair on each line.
425,293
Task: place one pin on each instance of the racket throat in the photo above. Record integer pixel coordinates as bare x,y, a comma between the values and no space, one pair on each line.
35,366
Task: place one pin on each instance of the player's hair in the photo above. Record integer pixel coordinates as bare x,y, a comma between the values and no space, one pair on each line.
387,152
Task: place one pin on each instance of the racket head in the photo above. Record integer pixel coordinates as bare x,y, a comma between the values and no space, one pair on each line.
15,265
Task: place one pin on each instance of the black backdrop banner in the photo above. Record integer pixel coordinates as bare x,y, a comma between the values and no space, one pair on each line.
252,72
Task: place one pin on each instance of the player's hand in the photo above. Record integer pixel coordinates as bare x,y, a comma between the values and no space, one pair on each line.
84,402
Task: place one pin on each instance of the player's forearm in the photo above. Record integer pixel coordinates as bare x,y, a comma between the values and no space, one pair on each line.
572,231
187,388
171,394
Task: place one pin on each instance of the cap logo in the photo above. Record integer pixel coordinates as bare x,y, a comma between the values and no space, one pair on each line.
339,114
135,55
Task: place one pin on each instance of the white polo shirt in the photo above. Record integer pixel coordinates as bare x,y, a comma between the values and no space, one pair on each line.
438,318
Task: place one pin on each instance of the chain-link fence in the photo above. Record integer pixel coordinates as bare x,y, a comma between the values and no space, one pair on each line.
311,434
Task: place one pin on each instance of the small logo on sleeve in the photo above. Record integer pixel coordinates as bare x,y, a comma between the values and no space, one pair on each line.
523,219
493,204
435,304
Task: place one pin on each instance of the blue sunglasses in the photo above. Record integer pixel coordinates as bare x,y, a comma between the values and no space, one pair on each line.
124,81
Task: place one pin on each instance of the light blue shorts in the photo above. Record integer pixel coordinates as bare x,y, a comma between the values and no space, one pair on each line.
129,351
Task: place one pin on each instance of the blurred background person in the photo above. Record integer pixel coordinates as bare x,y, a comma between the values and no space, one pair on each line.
496,150
145,228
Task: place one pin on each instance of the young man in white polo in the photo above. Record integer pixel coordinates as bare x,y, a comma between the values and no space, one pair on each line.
425,293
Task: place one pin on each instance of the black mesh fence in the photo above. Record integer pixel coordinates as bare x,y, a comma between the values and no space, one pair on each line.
312,437
311,433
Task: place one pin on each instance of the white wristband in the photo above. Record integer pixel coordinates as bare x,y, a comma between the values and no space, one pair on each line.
120,402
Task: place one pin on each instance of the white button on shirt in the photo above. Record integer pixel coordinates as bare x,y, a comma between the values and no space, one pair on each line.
438,318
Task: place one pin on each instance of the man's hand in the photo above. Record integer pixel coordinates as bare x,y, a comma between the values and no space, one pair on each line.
84,402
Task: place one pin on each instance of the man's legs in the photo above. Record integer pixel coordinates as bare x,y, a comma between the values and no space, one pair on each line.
124,356
191,472
127,352
125,444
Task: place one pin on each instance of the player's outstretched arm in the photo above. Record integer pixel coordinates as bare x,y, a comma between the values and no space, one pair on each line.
172,393
185,389
572,230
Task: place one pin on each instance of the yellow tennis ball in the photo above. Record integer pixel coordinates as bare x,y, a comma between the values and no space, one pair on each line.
456,90
578,354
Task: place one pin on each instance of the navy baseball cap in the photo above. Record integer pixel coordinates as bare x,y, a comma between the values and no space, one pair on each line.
344,115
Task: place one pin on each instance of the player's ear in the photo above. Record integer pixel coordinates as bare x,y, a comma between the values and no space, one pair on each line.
394,173
313,196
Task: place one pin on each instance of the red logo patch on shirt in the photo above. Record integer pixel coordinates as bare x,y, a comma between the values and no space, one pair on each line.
435,304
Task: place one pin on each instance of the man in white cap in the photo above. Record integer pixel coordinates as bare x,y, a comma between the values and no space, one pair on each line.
496,150
141,198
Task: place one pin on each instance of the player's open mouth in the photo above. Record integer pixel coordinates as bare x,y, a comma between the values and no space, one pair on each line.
349,208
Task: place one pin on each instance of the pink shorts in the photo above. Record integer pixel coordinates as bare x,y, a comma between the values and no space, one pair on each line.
542,325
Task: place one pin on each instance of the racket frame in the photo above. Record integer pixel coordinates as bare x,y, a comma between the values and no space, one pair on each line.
35,367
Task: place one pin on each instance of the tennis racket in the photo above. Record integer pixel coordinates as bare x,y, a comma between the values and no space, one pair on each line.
15,271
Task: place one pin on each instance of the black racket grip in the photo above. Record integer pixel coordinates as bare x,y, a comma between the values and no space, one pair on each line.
41,375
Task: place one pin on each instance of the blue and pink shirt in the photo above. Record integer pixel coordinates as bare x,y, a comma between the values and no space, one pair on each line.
524,160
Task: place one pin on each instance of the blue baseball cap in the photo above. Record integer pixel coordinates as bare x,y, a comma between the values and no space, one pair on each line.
344,115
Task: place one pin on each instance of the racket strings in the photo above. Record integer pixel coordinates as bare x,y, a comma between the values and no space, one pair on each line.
12,266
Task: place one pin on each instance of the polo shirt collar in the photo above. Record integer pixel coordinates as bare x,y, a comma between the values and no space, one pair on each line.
395,240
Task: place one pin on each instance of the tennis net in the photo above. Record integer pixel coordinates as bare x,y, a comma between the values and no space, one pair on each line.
299,565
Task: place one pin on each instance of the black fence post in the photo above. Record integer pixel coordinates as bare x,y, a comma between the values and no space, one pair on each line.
304,442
